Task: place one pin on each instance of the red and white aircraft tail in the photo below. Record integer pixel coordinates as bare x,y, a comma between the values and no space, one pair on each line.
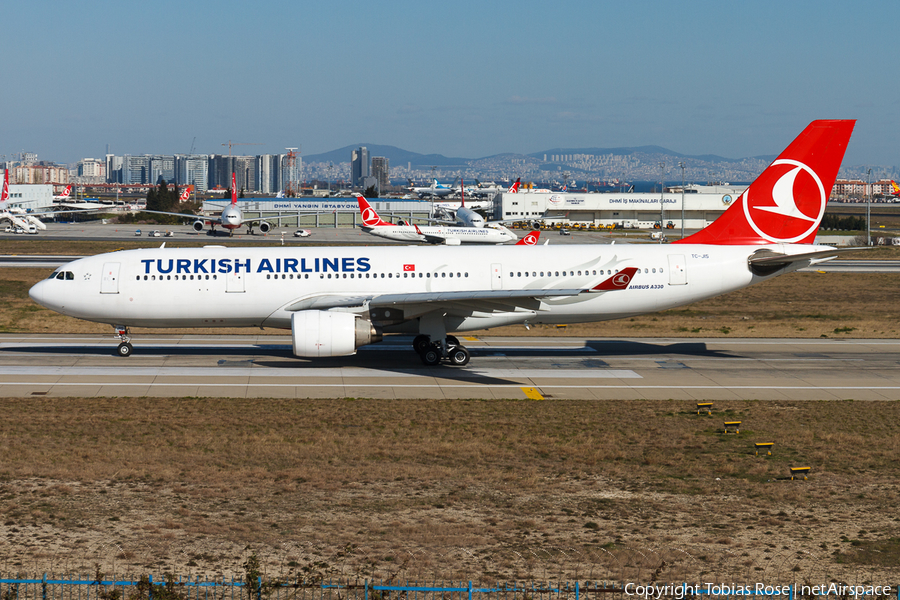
233,190
65,193
4,196
186,194
514,188
531,239
785,204
370,218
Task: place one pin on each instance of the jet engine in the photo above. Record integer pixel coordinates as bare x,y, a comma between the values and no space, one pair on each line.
265,227
198,225
321,333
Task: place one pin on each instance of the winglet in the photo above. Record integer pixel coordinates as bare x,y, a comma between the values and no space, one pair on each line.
531,239
619,281
370,218
419,231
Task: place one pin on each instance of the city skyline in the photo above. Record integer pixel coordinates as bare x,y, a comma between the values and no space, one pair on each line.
462,79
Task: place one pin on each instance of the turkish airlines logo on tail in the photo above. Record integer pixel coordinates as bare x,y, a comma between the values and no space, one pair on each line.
5,195
529,240
514,188
66,192
787,202
185,194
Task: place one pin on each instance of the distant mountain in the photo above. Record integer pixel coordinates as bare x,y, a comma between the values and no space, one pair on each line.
646,150
396,156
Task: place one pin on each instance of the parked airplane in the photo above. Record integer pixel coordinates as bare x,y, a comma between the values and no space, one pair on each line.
465,216
450,236
65,194
17,216
230,218
336,299
436,190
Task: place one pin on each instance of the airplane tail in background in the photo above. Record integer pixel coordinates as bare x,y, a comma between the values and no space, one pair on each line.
896,187
531,239
514,188
233,190
785,204
186,194
370,218
66,192
4,196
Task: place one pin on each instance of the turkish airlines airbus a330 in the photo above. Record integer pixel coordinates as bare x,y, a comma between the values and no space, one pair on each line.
336,299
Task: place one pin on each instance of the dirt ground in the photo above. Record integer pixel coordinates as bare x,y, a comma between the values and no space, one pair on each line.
424,490
483,491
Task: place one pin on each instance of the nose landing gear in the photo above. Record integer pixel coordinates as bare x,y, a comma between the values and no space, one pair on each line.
125,348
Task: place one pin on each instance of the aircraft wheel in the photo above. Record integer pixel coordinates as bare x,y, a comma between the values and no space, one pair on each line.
452,341
459,356
431,356
124,349
421,343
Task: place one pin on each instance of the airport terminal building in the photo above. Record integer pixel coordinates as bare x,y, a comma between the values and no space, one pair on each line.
702,206
324,212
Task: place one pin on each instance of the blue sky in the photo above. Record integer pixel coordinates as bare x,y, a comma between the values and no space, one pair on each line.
464,78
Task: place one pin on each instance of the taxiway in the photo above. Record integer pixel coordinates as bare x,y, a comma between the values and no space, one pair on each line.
544,368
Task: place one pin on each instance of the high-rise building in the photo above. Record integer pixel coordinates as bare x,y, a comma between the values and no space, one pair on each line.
359,166
270,173
192,169
162,168
136,169
381,170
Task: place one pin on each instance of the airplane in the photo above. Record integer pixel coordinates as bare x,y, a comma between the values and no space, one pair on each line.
65,193
336,299
230,218
896,187
462,214
435,189
450,236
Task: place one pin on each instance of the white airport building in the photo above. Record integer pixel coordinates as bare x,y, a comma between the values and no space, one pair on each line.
702,206
30,197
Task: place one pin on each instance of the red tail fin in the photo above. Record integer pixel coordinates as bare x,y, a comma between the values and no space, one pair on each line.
370,218
4,196
531,239
233,190
66,192
785,204
514,188
462,193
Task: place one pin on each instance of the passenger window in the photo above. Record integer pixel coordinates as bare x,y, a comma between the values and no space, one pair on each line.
654,269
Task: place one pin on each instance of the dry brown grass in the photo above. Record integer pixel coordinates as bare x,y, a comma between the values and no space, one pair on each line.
447,489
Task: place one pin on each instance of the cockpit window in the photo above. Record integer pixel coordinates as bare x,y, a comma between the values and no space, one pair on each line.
53,275
68,275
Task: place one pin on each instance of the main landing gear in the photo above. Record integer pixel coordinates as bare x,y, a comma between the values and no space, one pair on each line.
432,353
125,348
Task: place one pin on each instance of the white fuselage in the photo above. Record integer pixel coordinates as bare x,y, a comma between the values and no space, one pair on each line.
242,287
463,235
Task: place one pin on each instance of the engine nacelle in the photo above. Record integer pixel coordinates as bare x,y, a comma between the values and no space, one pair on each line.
452,242
198,225
321,333
265,227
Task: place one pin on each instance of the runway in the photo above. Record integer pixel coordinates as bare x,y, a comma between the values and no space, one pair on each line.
538,368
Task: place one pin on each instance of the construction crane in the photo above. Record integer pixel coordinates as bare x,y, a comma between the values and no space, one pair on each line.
230,144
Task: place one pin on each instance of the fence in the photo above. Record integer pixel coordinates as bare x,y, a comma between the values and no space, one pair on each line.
149,588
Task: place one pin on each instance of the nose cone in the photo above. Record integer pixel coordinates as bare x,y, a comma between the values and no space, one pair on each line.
37,292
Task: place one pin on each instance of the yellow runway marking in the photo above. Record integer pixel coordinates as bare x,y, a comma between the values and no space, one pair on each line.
470,338
532,393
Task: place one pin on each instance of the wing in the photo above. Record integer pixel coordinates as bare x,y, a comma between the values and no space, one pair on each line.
185,215
417,303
